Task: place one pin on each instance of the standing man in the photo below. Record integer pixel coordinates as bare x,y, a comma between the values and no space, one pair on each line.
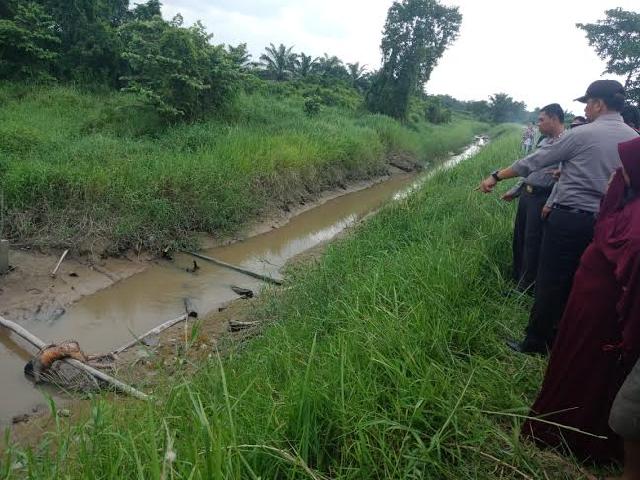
533,193
588,156
527,139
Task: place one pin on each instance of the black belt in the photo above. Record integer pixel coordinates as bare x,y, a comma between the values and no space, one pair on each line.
533,190
559,206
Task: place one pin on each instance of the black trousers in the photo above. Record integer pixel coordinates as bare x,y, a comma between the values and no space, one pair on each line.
566,237
527,237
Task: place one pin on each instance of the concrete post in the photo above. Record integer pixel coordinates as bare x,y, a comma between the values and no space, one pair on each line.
4,256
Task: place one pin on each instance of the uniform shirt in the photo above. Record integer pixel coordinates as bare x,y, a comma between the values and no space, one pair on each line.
588,155
540,178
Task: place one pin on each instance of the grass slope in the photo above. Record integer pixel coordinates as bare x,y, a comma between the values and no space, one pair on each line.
385,360
86,171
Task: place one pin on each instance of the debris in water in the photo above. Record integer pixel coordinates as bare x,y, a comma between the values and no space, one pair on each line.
189,307
243,292
47,366
57,313
151,341
193,269
166,253
20,418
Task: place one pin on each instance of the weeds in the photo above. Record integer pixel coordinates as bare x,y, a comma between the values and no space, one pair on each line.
84,171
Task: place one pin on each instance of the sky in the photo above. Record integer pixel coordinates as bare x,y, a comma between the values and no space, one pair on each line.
528,49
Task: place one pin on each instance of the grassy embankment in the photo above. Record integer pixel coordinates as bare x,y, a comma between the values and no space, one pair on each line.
386,360
84,171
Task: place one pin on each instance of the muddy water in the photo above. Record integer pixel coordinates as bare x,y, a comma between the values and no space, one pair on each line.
111,317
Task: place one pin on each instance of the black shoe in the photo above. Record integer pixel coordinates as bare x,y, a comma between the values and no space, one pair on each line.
526,347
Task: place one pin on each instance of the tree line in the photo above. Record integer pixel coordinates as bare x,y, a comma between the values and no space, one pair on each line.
179,71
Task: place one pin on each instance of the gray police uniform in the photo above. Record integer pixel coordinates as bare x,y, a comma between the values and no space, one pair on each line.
533,192
588,156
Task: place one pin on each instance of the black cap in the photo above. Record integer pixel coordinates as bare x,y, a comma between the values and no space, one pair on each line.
602,89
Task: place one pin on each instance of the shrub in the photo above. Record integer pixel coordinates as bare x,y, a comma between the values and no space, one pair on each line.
176,69
312,106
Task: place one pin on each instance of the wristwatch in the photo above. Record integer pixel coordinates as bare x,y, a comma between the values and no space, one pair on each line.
495,175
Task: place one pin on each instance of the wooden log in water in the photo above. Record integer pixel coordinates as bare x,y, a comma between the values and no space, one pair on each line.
189,308
259,276
156,330
39,344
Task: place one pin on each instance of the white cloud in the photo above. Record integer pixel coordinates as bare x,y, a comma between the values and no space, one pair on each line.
529,49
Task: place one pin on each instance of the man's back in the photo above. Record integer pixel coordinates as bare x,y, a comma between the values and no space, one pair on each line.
585,176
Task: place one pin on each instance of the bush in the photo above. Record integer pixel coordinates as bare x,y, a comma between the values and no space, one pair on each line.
435,113
176,69
312,106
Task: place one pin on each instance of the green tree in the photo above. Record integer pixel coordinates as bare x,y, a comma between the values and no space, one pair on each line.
435,112
616,39
357,75
305,65
504,108
146,11
239,55
6,9
90,51
330,68
279,62
28,43
176,69
480,109
416,34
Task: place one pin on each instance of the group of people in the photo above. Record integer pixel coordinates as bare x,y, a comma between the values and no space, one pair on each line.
577,249
528,138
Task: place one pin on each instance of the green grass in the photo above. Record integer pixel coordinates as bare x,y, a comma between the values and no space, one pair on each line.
384,360
90,172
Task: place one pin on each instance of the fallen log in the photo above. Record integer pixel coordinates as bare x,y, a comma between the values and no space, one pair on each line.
189,308
220,263
39,344
156,330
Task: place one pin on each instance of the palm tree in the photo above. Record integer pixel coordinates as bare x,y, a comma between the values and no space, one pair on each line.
330,67
356,71
279,62
306,64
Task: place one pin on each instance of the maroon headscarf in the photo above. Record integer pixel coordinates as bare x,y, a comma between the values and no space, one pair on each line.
617,234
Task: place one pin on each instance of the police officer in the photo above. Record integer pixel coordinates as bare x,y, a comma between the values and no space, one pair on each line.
533,193
588,155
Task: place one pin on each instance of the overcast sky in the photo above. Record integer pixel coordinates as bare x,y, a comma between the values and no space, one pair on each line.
529,49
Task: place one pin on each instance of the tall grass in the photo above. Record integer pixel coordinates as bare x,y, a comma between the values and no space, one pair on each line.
88,171
384,360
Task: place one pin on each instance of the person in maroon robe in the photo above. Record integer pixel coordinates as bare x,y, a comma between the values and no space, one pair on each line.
598,339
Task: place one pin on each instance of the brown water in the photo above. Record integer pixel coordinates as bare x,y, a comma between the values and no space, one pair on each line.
111,317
